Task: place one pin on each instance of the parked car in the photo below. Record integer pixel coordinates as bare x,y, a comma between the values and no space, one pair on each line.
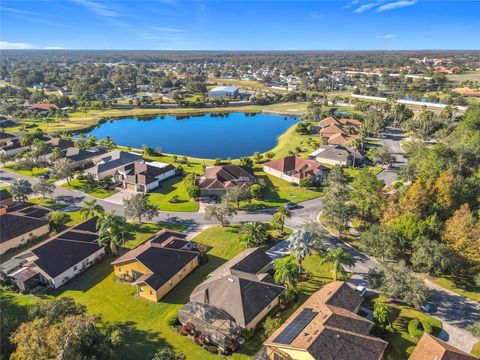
361,290
291,205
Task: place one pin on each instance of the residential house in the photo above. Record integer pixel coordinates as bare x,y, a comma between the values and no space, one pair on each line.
222,92
6,138
326,326
145,177
79,157
336,155
218,179
19,227
294,168
158,265
339,131
57,260
57,142
431,348
237,295
44,107
112,163
6,199
13,147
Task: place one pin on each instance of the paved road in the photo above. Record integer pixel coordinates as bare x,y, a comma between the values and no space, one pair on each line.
391,142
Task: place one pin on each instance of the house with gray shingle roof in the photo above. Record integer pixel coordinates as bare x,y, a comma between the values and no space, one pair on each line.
112,164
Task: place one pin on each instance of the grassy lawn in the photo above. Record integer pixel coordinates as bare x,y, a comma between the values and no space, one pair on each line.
279,192
35,171
92,190
175,186
48,203
400,339
460,285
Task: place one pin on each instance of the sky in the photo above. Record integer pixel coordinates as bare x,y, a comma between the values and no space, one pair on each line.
239,25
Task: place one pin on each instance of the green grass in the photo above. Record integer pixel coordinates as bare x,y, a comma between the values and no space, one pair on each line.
35,171
169,188
92,190
279,192
48,203
400,339
463,286
476,349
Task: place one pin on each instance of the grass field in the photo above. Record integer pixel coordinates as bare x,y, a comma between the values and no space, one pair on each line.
246,84
468,76
35,171
174,186
145,323
400,339
92,190
460,286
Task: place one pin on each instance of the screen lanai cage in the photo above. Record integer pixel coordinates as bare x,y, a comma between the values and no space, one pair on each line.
219,327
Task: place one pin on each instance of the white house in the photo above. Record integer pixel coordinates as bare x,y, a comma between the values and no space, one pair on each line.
145,177
221,92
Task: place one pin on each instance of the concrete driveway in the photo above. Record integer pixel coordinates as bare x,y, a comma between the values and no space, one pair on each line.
118,197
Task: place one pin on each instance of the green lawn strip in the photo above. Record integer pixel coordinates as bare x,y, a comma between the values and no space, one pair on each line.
169,188
460,285
476,349
400,339
89,189
48,203
35,171
352,173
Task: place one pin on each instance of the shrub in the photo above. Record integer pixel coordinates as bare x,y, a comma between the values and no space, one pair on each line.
174,199
410,350
173,321
415,329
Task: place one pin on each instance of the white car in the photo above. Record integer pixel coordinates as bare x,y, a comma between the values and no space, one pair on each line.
361,290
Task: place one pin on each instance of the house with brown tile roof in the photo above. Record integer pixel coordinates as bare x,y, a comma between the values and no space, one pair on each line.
146,176
158,265
218,179
19,227
431,348
44,107
326,327
340,132
294,168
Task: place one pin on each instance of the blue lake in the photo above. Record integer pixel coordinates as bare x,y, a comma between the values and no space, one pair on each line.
207,136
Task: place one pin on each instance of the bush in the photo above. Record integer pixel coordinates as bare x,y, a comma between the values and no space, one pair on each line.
410,350
174,199
173,321
416,328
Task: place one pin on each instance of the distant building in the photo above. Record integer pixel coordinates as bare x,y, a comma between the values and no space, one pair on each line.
44,107
294,168
145,177
5,138
335,155
222,92
6,199
218,179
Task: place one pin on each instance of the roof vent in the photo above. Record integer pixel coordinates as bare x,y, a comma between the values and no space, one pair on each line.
231,280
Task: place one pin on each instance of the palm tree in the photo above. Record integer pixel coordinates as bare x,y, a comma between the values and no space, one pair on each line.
254,233
91,209
381,312
339,258
280,216
112,230
286,272
301,244
356,145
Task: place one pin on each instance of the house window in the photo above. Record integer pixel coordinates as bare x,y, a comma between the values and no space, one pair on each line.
170,282
151,292
31,234
119,270
75,268
141,289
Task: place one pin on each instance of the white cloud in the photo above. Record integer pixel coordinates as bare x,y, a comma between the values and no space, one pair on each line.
98,8
365,7
5,45
167,29
395,5
316,15
386,37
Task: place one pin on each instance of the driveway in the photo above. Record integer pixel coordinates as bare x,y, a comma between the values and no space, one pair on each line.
391,143
118,197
